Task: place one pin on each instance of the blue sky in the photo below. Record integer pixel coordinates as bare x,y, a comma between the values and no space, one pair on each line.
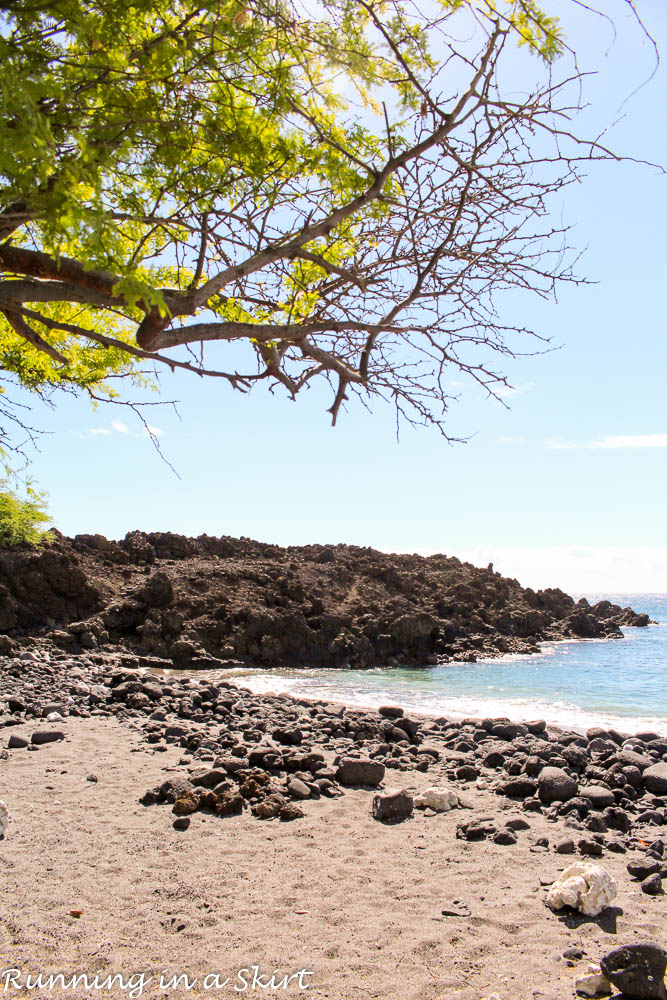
567,488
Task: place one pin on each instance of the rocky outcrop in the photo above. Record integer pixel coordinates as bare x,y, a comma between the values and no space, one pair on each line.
200,601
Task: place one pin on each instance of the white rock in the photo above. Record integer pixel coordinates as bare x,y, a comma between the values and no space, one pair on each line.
5,817
439,799
585,887
594,983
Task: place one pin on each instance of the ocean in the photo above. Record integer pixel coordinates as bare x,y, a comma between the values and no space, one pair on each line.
618,683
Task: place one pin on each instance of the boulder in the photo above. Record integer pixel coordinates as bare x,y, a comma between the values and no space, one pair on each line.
637,970
655,779
390,711
556,785
600,796
652,885
641,868
298,789
359,771
174,788
583,886
630,758
393,805
518,788
504,837
290,811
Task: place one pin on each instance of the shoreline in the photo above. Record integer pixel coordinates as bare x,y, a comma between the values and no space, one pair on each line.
452,717
439,905
630,724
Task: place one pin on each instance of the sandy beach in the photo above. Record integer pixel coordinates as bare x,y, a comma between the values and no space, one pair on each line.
359,908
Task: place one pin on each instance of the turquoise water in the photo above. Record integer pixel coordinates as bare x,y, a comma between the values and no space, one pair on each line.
619,683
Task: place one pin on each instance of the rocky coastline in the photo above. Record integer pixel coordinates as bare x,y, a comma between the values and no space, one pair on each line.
544,797
520,812
205,602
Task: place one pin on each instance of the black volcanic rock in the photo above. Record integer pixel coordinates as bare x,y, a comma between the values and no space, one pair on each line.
217,601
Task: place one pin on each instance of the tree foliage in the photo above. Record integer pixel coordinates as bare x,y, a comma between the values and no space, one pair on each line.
343,187
22,520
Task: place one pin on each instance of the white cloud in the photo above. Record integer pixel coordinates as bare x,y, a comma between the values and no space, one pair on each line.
612,442
511,439
94,432
506,391
121,428
580,569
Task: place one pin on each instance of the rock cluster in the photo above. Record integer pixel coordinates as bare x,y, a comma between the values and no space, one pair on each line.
283,751
198,602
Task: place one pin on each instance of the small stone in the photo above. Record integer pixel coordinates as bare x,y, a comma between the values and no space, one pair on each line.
359,771
390,711
17,742
565,846
392,806
652,885
47,736
593,983
641,868
591,848
655,778
290,811
298,789
555,785
92,778
181,823
504,837
186,804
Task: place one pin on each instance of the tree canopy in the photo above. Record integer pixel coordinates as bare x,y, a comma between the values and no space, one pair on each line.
343,186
